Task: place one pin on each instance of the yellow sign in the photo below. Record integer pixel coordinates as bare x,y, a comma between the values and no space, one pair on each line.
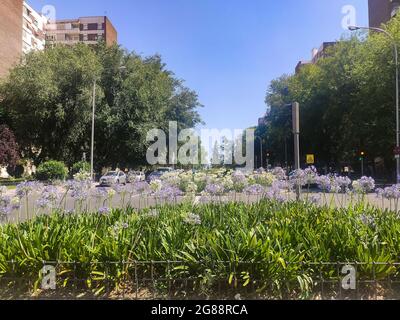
310,159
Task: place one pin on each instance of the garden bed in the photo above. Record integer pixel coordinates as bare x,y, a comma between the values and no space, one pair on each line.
262,250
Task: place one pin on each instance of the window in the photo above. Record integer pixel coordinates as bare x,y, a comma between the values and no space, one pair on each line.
27,11
92,37
92,26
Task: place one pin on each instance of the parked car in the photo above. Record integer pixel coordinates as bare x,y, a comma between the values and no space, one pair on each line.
112,178
136,176
157,174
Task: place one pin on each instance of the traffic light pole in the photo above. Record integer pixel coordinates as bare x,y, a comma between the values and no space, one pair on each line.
362,166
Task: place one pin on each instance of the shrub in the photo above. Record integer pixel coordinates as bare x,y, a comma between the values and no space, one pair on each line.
51,170
81,166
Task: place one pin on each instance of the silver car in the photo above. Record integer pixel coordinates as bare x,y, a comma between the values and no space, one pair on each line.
112,178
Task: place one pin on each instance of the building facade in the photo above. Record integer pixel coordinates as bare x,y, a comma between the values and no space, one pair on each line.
381,11
322,52
316,55
88,30
33,30
10,34
22,29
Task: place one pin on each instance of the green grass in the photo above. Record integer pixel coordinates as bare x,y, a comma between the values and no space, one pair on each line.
277,242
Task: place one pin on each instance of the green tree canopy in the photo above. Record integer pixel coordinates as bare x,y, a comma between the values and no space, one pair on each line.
347,102
47,100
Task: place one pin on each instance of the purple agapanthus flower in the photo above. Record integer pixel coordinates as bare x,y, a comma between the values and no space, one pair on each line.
118,188
48,197
367,220
367,184
390,193
343,183
5,205
310,175
141,187
324,183
192,219
5,211
239,177
79,194
104,211
168,192
101,192
298,178
254,189
214,189
279,173
24,189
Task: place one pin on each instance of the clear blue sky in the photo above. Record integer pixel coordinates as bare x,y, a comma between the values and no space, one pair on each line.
226,50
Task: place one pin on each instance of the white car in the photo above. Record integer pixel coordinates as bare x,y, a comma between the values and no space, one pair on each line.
136,176
112,178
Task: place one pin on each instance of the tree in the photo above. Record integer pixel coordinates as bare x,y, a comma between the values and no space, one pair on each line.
346,103
48,100
9,151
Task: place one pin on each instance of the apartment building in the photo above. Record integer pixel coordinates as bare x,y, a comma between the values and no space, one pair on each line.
33,30
316,55
88,30
381,11
23,29
10,34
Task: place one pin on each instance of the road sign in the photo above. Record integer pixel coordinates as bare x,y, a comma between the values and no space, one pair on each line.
396,151
310,159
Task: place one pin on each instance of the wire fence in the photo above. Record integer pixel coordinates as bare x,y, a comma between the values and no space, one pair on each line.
178,280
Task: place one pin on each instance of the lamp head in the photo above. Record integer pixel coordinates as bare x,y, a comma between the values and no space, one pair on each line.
353,28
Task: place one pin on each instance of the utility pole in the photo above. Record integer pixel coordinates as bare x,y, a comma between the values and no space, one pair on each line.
92,143
296,134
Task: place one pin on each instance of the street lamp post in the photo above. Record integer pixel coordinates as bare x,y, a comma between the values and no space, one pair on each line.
396,58
93,126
